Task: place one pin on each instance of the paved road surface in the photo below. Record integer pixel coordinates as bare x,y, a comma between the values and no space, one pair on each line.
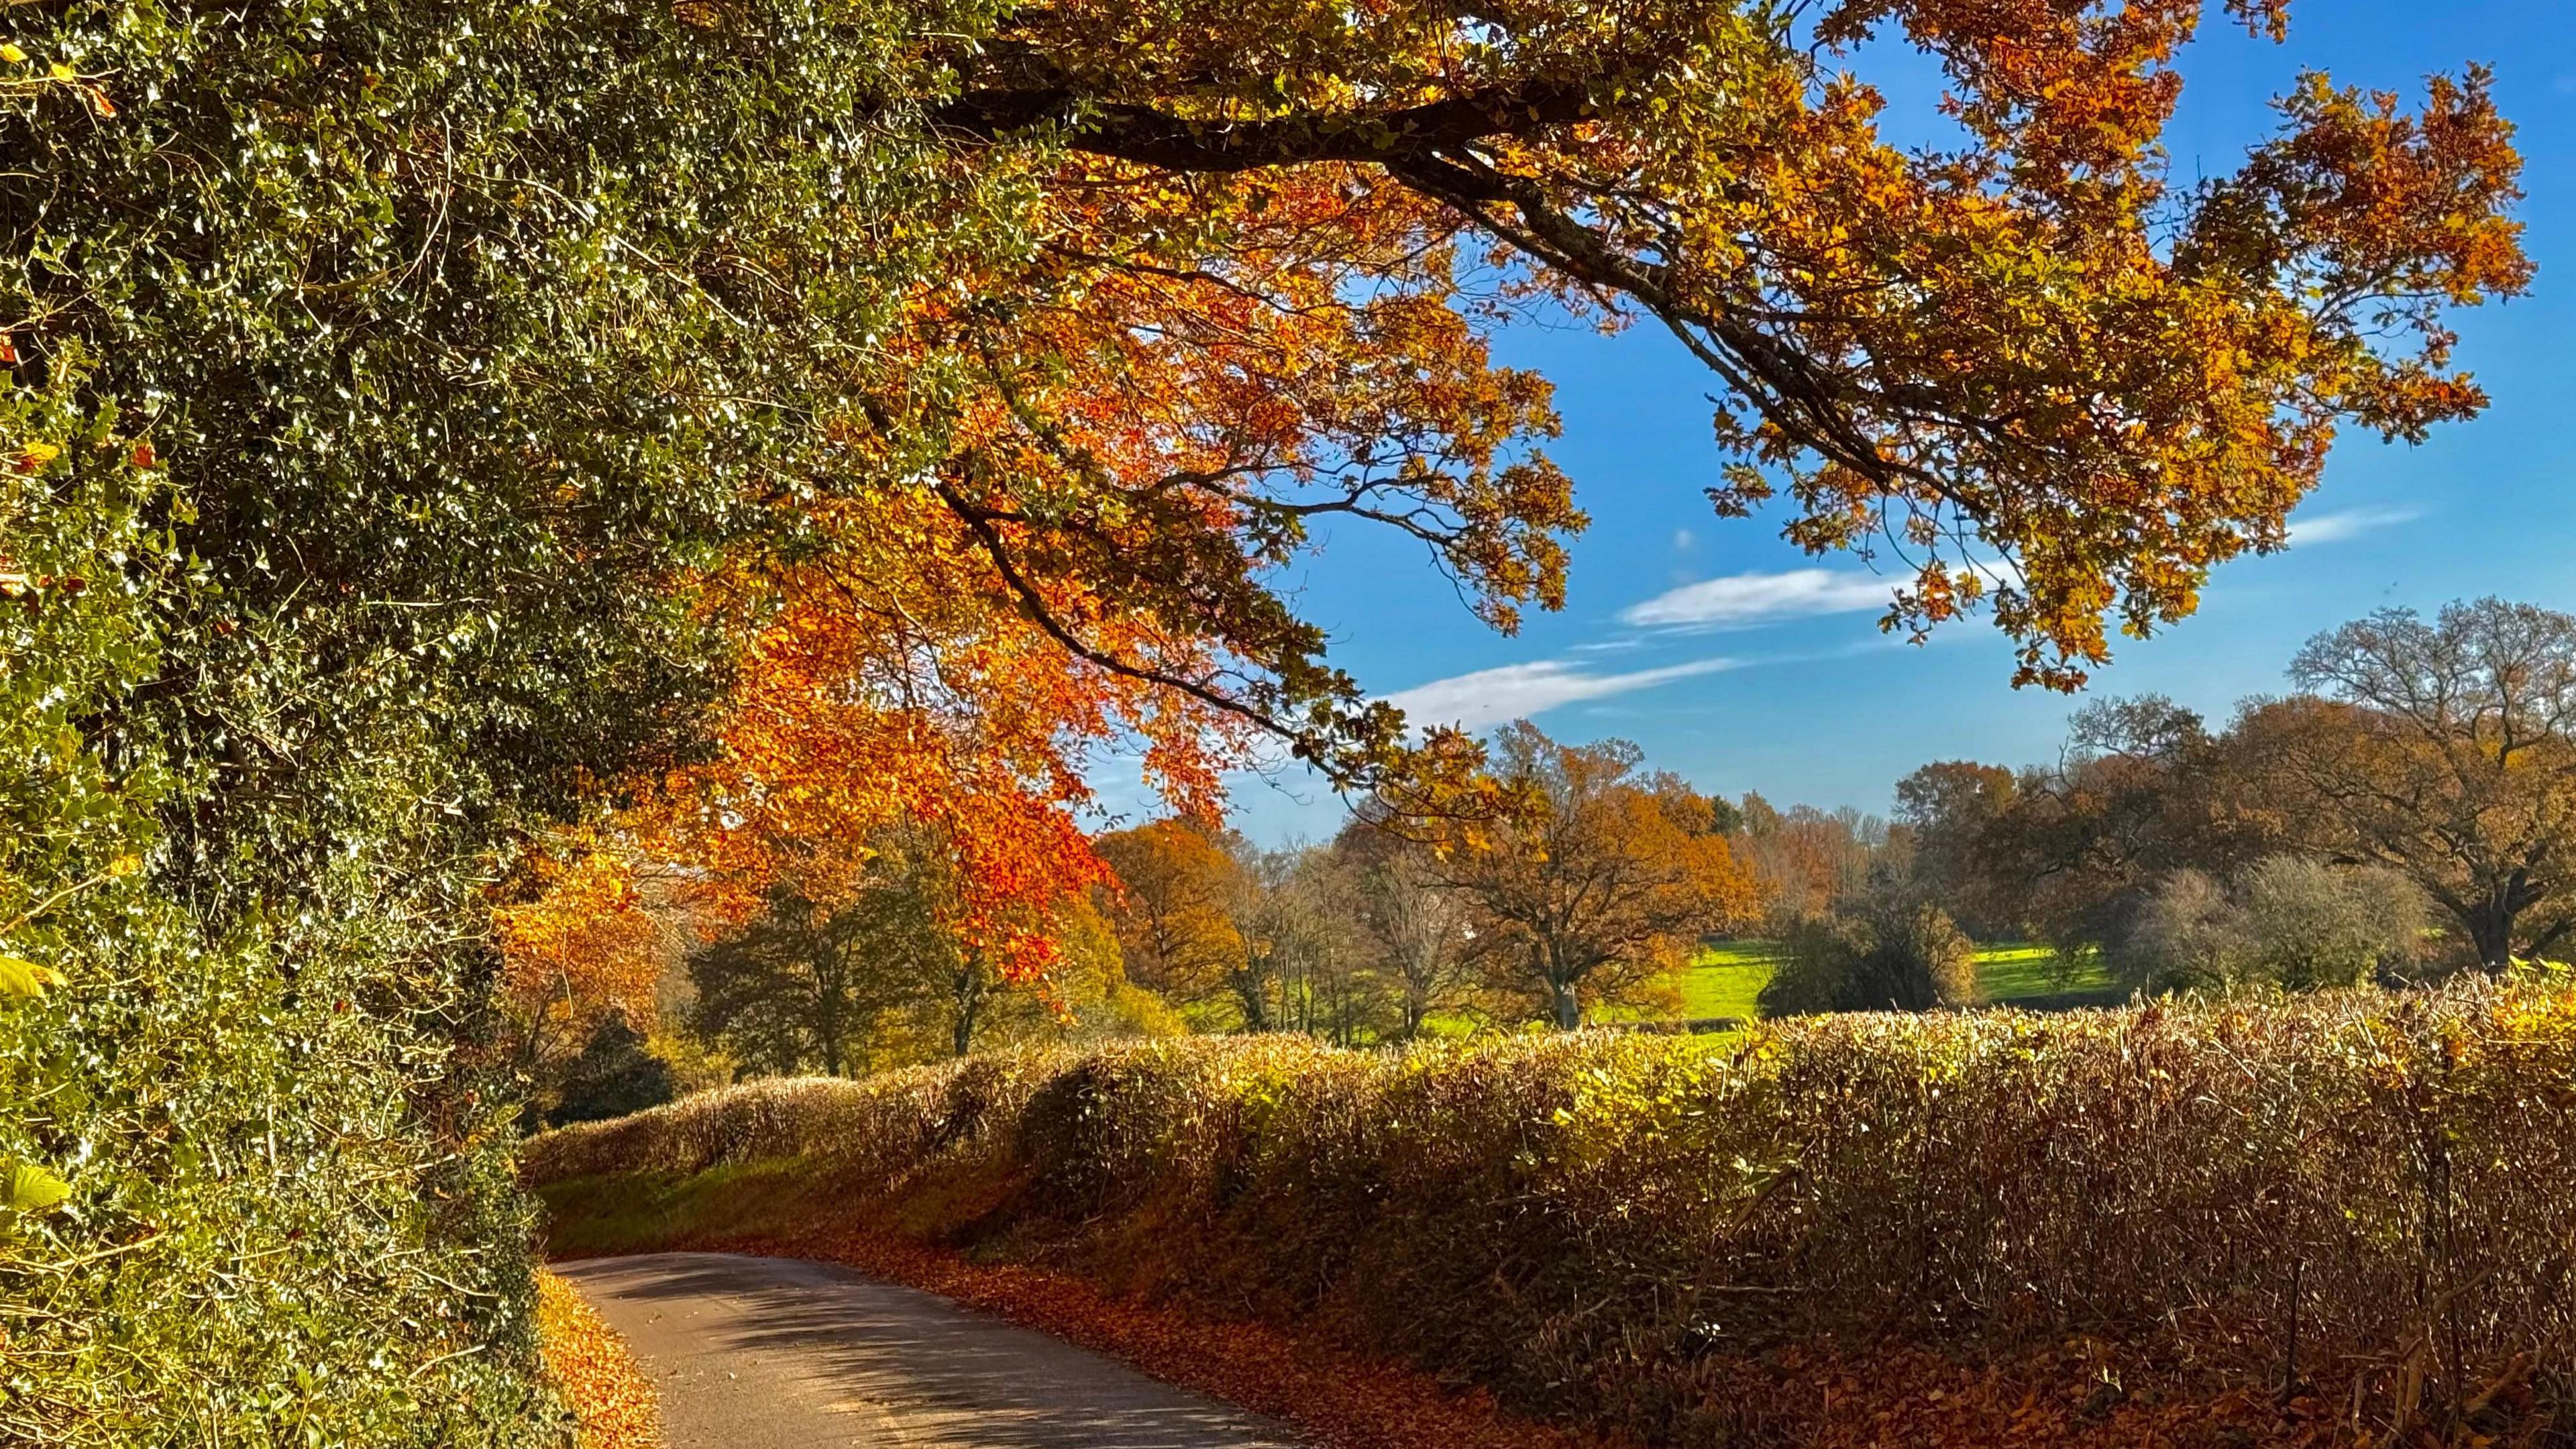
774,1353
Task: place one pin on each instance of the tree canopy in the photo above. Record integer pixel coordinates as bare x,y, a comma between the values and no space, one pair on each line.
2031,346
1597,876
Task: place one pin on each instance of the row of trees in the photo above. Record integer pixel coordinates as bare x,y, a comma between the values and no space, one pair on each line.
2425,774
2412,813
1597,878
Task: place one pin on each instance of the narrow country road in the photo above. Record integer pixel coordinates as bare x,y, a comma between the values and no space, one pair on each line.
776,1353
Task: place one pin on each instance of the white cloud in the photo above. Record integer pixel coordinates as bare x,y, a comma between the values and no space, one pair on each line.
1760,598
1490,697
2349,523
1683,539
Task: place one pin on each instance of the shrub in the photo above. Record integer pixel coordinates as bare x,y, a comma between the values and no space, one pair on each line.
2289,923
1667,1238
2188,933
2319,925
1894,956
1818,955
364,422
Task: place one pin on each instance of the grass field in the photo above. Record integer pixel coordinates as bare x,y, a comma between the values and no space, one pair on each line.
1728,980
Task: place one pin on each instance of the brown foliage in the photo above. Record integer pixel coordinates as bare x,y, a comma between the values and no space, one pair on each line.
1595,877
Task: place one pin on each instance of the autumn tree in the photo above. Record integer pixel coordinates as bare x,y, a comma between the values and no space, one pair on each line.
589,941
1598,877
1415,922
1294,914
1992,354
2143,788
1170,906
2443,749
1950,805
1252,288
1248,938
1809,860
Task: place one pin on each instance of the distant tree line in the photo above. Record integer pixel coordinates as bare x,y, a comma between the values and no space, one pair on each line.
2407,813
2412,809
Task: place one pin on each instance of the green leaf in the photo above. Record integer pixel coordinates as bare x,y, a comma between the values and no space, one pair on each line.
34,1190
21,980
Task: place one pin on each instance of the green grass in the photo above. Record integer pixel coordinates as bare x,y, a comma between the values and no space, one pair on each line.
1728,980
2012,973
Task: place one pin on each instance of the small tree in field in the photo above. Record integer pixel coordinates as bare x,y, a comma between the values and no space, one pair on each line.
1893,955
2188,933
1599,877
2315,924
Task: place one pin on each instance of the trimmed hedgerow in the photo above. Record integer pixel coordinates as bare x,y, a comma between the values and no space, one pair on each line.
2339,1216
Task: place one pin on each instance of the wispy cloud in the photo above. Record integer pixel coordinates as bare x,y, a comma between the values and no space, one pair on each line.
1760,598
1490,697
2349,523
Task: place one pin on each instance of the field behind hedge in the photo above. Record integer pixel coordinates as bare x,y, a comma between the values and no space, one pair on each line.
1725,981
2343,1219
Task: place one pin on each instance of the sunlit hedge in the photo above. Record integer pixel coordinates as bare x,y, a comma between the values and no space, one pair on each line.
2366,1197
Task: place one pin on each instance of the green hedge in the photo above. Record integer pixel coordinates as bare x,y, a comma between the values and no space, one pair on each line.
1631,1230
373,376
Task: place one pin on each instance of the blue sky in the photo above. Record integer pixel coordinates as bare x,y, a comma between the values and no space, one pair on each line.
1807,702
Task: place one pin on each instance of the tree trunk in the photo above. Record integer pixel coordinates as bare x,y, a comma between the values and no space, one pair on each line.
1252,993
1569,1012
967,1003
2491,931
827,1020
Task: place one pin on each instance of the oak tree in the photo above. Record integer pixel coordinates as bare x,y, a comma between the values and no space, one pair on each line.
2056,381
2444,749
1598,877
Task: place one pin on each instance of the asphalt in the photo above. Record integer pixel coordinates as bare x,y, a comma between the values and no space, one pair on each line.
778,1353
